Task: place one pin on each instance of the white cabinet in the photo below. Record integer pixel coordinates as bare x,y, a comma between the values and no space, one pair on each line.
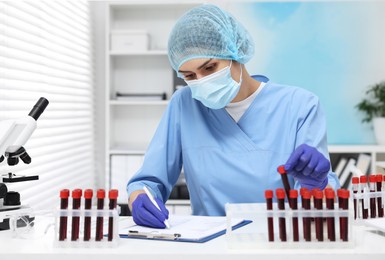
139,79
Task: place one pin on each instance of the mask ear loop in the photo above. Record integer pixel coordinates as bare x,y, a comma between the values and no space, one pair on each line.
240,76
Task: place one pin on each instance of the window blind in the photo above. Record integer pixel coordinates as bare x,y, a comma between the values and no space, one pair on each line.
46,51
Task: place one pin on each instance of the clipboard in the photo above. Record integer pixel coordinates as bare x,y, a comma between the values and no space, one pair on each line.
196,229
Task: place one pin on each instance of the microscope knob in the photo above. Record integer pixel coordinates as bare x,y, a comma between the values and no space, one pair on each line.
12,199
3,190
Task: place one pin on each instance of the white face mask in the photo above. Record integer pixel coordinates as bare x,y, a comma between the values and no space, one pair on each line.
215,90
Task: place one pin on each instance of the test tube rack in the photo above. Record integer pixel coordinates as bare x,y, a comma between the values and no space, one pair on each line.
366,200
255,234
106,215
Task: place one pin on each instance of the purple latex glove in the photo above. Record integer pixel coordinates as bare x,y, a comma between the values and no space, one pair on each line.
309,167
146,214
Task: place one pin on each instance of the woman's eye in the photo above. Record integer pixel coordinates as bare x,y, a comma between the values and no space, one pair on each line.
211,67
189,77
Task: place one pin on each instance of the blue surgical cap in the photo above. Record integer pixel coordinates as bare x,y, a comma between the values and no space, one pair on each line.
207,31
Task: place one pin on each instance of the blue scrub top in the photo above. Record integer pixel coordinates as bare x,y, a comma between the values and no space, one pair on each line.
229,162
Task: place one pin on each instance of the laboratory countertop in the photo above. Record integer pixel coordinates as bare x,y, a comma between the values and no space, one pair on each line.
40,246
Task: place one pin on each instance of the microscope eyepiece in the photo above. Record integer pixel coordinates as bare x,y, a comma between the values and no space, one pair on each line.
38,108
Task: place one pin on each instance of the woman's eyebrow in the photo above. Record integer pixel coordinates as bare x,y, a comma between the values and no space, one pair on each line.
201,66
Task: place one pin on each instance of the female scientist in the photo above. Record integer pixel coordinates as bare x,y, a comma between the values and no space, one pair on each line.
229,130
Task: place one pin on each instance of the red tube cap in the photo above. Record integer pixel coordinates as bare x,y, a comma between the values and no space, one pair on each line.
293,194
64,194
355,180
77,193
329,193
281,169
301,190
88,193
372,178
345,194
318,194
280,193
100,194
313,191
306,194
269,194
363,179
379,178
113,194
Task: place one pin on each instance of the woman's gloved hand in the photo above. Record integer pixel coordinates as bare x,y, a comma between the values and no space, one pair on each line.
146,214
309,167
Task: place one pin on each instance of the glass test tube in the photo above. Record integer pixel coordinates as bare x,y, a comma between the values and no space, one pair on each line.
100,195
294,205
355,184
270,221
372,188
64,194
76,200
344,220
113,196
363,184
329,194
280,194
318,196
306,196
88,193
380,208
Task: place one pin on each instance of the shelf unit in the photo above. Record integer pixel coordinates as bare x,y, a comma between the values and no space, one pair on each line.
130,123
376,152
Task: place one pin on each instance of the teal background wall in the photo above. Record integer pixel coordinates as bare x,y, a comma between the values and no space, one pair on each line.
334,49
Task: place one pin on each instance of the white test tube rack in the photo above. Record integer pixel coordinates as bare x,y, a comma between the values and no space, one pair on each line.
255,234
93,213
363,199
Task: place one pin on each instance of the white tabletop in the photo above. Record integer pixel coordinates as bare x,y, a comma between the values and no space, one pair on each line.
369,245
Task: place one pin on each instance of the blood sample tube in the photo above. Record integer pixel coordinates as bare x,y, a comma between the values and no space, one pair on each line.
76,196
363,184
355,184
372,188
269,206
100,195
301,191
344,220
306,196
280,194
64,194
285,181
318,196
294,205
112,196
87,220
379,198
329,194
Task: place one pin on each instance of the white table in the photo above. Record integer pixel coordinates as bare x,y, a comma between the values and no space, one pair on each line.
36,246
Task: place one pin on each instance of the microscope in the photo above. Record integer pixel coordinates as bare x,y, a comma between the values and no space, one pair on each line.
14,133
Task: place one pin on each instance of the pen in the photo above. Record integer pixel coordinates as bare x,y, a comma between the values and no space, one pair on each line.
155,204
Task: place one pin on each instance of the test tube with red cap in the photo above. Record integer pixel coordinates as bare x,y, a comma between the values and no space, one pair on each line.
329,195
344,220
355,184
285,181
306,197
64,195
112,196
269,206
294,205
100,195
88,193
372,188
318,196
76,201
363,184
280,194
379,198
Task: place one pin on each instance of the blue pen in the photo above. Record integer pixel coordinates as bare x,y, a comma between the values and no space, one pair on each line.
155,204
